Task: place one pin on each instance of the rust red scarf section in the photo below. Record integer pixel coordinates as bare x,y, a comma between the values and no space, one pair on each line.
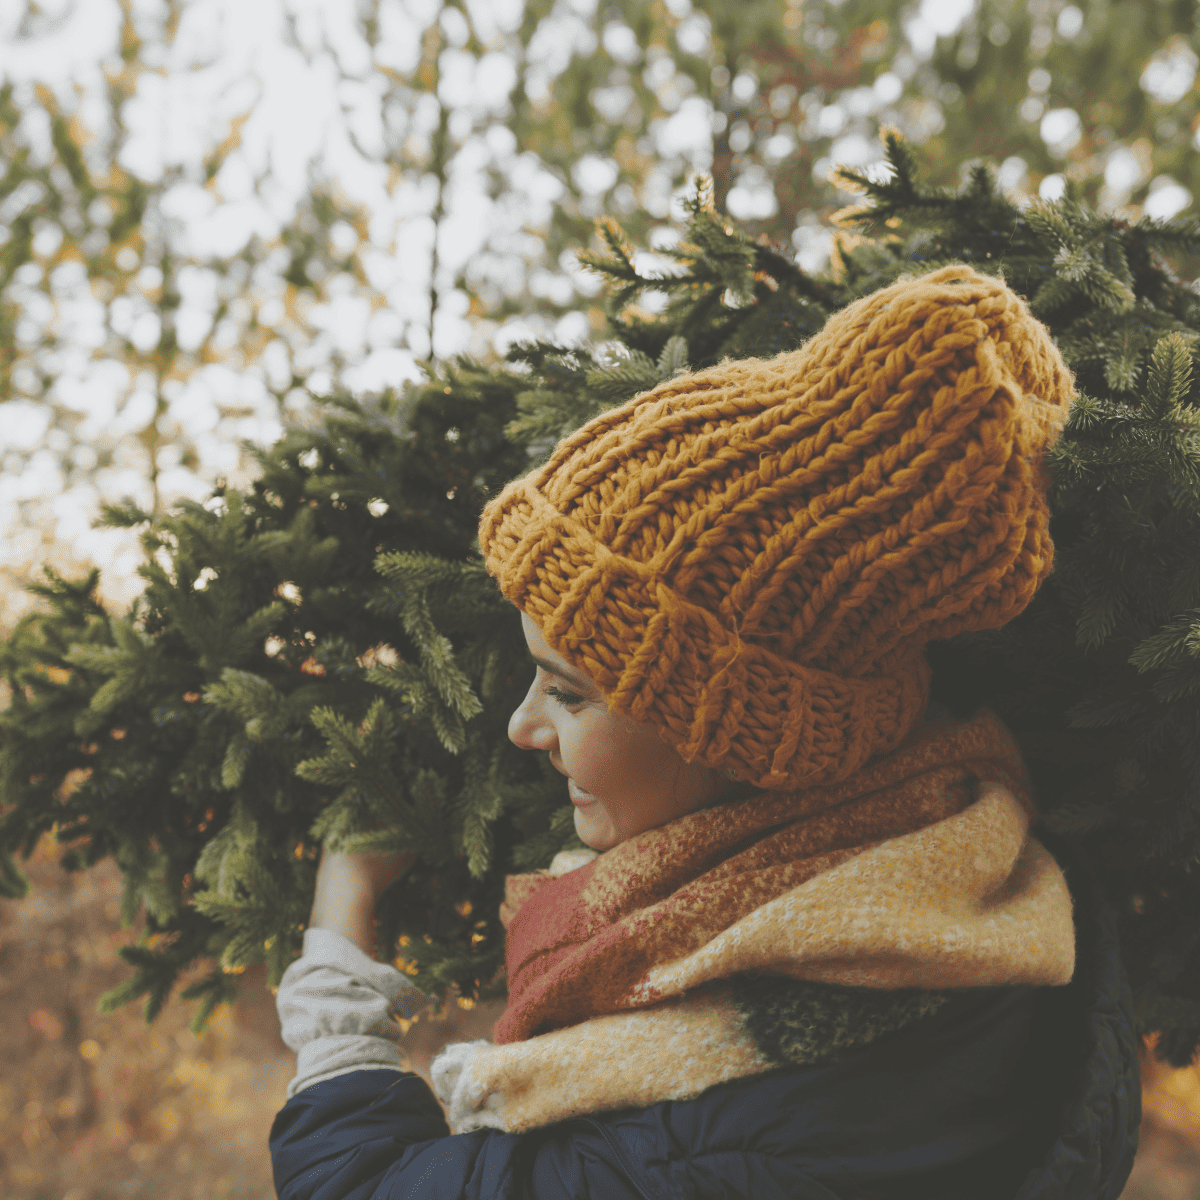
580,944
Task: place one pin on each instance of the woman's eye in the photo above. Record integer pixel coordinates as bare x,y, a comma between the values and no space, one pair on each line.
570,699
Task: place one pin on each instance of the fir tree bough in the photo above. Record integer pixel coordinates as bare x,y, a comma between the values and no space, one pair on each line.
324,659
283,682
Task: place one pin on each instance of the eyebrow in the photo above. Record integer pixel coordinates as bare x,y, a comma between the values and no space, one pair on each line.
578,681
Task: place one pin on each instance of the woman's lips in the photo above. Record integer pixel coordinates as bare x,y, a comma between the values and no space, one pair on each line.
578,795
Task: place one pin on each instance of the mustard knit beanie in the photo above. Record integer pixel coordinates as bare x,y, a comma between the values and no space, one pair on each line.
753,557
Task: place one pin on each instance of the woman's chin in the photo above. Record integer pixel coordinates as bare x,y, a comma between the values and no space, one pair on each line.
594,828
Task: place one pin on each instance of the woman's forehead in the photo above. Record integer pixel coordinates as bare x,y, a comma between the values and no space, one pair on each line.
533,635
537,643
541,650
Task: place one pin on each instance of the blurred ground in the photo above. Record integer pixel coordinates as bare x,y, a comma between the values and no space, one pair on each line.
106,1108
1168,1160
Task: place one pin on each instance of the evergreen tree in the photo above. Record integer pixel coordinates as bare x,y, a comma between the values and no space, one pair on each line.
322,657
272,690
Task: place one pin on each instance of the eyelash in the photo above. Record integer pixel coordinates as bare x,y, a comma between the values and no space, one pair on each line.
568,699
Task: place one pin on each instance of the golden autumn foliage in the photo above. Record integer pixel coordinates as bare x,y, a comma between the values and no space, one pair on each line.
99,1107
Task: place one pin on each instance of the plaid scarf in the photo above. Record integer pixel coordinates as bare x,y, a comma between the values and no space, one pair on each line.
918,871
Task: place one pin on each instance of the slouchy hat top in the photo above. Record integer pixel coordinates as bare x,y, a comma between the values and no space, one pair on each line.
753,557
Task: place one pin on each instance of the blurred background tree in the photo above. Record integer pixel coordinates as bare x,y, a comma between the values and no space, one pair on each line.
211,214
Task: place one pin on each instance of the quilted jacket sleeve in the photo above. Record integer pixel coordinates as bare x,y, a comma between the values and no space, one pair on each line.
374,1135
357,1126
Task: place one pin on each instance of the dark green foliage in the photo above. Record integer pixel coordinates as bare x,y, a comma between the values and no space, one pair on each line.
282,682
380,719
1100,677
733,296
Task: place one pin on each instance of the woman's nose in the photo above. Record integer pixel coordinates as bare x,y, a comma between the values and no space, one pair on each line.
527,728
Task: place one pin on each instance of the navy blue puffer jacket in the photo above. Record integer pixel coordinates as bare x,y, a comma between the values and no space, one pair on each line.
1016,1093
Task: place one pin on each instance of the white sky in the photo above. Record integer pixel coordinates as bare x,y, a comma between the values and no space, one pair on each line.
310,106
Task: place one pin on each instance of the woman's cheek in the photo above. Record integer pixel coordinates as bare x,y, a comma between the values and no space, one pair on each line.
594,828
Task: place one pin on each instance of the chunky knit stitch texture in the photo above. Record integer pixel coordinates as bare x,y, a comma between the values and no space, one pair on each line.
753,557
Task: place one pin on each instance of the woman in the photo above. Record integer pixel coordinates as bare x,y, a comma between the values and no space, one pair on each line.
816,951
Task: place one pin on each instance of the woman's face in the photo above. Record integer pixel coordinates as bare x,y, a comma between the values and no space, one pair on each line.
623,778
